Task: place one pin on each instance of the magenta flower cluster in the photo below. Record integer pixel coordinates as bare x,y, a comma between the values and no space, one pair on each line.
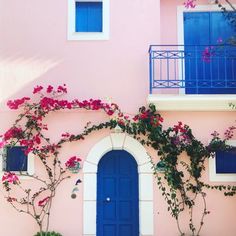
73,162
190,4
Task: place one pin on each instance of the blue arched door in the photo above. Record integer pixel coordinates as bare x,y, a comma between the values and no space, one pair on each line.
117,195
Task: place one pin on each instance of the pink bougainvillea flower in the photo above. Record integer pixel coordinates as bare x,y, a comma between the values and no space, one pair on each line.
135,118
47,103
14,104
49,88
120,114
229,133
9,177
2,144
110,112
180,128
37,89
37,139
95,104
43,202
144,115
121,122
72,162
207,54
62,89
190,4
13,132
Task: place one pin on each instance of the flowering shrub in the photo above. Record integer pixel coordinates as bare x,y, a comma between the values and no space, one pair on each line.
30,130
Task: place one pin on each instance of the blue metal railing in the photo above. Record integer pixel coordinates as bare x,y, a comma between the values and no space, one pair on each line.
199,69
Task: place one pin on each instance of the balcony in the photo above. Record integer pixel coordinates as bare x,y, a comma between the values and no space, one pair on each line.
199,77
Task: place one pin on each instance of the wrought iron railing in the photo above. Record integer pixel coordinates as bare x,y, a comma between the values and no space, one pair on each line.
199,69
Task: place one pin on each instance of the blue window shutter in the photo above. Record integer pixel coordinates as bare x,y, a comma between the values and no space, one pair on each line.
88,17
16,160
205,28
196,32
221,27
95,17
81,19
197,28
226,162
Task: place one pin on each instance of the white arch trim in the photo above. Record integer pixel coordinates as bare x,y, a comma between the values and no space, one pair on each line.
118,141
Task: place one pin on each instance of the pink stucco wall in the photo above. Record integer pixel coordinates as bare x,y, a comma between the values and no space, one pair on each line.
34,50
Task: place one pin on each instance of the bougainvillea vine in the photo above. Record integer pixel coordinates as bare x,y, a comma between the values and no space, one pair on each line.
180,183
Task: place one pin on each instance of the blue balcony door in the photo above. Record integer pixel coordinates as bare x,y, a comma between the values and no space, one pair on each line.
117,195
208,75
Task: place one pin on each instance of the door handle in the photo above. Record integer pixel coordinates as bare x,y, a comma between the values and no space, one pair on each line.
108,199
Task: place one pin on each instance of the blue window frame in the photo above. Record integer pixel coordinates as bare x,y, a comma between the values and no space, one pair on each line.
226,162
88,17
16,159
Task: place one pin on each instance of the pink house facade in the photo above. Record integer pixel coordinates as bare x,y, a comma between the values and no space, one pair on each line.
41,44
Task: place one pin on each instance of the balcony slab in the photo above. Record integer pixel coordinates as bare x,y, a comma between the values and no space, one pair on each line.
181,102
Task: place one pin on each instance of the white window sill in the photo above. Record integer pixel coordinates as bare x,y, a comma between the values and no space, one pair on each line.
88,36
192,102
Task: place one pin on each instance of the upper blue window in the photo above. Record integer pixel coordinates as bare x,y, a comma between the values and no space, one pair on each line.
16,159
88,17
226,162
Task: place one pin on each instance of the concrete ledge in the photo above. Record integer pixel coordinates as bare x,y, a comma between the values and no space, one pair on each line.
192,102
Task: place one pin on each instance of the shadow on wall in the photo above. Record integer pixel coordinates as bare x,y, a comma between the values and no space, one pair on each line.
19,74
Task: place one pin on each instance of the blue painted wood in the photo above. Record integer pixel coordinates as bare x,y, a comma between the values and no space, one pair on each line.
16,159
205,28
88,17
226,161
196,32
117,195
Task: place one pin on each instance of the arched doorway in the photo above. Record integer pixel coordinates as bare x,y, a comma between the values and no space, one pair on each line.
117,195
118,141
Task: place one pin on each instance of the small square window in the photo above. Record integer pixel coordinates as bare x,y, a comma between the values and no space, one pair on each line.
88,17
15,159
226,162
222,167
